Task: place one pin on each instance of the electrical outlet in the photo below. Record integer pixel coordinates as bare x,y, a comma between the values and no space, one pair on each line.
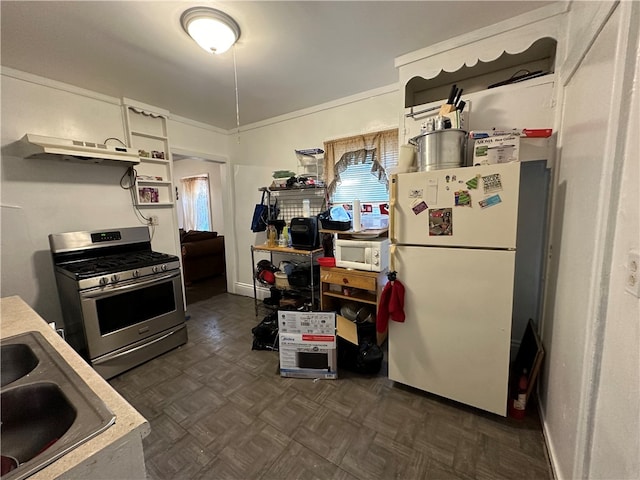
632,277
153,220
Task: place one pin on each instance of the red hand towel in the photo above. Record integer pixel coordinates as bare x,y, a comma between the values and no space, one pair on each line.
396,303
383,309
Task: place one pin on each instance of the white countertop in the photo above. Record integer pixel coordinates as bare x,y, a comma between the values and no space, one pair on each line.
17,317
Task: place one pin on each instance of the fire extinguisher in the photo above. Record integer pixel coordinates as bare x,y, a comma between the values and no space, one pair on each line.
520,401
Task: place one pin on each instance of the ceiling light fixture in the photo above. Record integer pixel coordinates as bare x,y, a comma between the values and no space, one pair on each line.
213,30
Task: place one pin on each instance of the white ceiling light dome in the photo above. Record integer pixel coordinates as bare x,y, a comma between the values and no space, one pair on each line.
213,30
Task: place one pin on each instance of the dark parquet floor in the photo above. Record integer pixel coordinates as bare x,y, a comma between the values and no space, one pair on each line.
219,410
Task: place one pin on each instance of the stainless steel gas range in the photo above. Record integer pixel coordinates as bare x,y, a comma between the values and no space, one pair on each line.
122,302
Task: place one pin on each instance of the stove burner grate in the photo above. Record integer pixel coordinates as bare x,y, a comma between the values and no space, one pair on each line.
97,266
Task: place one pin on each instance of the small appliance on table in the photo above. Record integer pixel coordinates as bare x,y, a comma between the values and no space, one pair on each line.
121,301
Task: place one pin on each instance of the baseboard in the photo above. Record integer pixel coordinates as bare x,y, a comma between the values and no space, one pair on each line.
246,290
547,440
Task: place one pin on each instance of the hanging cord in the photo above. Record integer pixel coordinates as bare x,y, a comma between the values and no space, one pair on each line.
115,138
235,77
128,182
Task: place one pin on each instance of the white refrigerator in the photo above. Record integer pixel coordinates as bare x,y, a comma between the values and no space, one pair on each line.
453,235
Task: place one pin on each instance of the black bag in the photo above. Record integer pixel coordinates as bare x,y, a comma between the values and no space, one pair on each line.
365,358
265,334
261,215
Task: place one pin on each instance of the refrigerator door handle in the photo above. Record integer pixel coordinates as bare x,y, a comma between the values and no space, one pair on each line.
392,257
392,208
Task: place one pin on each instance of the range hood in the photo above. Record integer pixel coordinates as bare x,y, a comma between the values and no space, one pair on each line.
39,146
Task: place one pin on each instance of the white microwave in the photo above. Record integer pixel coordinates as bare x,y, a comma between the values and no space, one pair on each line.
370,255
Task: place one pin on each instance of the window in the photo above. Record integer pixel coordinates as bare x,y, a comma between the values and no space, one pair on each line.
356,166
196,203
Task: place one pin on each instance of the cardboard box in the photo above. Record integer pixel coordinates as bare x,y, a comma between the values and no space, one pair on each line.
496,149
308,344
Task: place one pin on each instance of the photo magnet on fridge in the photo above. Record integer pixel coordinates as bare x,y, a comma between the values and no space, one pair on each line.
440,221
418,206
492,183
462,198
490,201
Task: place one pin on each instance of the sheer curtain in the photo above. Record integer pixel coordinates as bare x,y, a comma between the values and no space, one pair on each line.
196,203
380,148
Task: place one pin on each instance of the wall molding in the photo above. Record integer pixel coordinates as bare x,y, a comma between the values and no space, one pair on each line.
197,124
246,290
376,92
54,84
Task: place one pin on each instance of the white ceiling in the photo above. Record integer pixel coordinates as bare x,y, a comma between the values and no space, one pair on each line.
290,56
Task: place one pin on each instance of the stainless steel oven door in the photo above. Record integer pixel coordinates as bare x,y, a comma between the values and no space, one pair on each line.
123,314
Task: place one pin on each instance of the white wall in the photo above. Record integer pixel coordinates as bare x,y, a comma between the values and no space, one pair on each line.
585,400
40,197
263,148
615,450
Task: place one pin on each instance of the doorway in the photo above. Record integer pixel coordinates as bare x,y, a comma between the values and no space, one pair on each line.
201,221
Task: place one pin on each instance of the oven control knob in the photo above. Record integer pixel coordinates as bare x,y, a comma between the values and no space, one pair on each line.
115,278
135,273
104,280
163,268
154,269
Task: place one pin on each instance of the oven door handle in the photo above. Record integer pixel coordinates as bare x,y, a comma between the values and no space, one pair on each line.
133,286
110,357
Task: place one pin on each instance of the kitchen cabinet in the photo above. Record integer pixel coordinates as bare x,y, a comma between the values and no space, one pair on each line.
116,452
520,48
341,285
147,132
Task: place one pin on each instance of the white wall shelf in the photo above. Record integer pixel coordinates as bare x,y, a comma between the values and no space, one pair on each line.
147,131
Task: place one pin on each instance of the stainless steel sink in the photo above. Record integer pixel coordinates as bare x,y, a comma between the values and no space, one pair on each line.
47,409
16,360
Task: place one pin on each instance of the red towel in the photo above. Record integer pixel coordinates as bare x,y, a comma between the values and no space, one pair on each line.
396,303
383,308
391,304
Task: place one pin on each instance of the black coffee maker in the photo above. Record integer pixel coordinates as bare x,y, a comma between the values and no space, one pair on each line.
304,233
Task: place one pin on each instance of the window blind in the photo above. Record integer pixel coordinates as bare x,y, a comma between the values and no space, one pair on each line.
360,180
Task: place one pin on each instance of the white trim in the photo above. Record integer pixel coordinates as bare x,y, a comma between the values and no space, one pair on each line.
551,451
195,123
607,219
376,92
65,87
182,153
246,290
128,102
506,25
583,43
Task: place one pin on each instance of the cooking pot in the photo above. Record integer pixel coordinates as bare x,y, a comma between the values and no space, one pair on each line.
440,149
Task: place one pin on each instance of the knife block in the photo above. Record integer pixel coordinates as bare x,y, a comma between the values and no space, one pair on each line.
445,109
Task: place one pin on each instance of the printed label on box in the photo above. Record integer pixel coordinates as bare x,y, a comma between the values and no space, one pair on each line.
308,344
496,149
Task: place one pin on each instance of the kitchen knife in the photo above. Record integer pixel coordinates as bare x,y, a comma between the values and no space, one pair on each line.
458,95
461,105
452,95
